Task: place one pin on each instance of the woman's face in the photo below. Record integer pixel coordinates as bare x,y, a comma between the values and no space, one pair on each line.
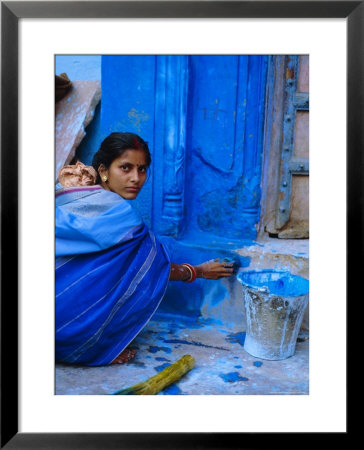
126,174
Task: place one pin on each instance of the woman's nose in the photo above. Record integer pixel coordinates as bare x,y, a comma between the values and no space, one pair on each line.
135,175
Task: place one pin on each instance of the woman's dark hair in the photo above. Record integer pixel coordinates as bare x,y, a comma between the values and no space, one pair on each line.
114,146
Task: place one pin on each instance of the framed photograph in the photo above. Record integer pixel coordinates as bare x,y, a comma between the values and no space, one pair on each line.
208,36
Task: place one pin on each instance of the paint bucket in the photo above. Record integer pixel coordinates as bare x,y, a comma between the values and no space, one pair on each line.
275,302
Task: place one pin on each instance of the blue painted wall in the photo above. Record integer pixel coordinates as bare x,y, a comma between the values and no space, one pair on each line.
128,104
225,126
79,67
203,118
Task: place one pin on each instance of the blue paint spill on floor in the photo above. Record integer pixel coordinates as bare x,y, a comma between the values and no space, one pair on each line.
238,367
161,359
171,390
232,377
161,367
155,349
198,344
257,363
136,363
237,338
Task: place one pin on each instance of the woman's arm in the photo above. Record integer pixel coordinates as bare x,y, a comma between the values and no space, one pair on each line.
211,270
179,273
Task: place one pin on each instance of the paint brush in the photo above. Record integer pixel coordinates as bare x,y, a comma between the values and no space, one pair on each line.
165,378
234,261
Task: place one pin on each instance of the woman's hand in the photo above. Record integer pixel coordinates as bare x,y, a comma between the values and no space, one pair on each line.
213,270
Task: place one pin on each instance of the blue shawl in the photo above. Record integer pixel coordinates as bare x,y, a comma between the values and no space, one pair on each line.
111,275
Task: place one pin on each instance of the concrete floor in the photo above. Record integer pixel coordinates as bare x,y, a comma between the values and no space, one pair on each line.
222,366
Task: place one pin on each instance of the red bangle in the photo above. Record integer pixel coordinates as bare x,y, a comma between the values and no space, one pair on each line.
193,273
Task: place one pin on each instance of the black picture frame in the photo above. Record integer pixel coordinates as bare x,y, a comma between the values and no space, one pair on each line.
11,12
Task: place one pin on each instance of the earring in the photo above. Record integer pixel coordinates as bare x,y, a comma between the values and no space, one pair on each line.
104,178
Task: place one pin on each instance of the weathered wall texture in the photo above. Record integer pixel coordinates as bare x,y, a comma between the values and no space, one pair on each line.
73,113
285,183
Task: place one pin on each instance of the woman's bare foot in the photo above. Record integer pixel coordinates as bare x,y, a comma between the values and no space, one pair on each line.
125,356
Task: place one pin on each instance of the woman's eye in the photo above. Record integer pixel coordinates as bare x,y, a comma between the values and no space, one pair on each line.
142,169
124,167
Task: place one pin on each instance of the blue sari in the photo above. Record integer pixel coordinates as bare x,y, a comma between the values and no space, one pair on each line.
111,275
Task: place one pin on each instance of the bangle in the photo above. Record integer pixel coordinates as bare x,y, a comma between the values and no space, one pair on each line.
192,271
188,280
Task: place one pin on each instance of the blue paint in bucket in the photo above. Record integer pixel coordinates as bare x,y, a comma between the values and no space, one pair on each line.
275,282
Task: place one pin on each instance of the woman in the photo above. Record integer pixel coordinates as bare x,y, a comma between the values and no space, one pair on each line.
111,271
